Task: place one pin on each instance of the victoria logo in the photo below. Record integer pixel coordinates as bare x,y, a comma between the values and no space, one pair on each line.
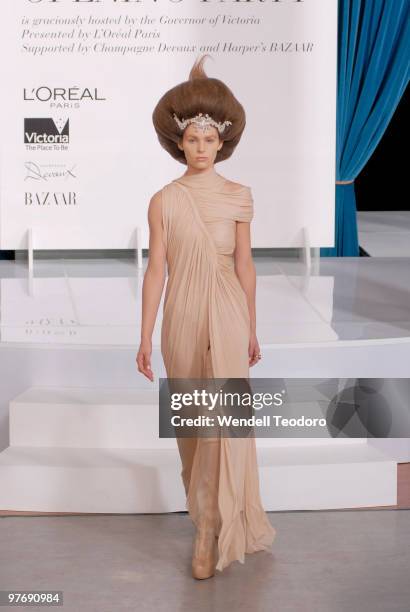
46,131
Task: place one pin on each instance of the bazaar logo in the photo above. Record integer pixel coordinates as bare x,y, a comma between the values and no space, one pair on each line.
50,198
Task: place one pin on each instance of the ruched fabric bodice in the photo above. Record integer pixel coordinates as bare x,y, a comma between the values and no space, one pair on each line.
218,207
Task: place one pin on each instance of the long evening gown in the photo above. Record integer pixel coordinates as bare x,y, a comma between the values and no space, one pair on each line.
205,334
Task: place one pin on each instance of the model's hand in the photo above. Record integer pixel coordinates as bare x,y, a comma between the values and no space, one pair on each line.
253,350
144,359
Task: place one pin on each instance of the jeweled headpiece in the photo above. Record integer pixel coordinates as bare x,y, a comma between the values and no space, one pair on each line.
203,122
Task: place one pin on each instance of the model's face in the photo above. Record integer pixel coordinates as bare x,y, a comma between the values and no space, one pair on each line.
200,147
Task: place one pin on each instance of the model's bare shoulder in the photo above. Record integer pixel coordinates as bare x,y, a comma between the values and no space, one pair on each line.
156,199
155,206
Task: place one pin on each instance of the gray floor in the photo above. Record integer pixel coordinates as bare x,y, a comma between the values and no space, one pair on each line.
329,561
384,233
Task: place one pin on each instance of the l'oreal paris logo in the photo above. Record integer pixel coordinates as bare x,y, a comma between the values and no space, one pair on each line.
61,94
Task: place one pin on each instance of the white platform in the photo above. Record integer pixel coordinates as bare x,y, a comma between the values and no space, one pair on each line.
76,324
78,304
82,450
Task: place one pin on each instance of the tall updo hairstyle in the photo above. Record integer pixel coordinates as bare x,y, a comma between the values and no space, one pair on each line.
200,94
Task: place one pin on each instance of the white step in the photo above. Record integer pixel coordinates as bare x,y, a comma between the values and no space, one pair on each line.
133,481
87,417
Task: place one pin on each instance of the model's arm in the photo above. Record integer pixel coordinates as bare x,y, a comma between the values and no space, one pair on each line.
245,271
153,284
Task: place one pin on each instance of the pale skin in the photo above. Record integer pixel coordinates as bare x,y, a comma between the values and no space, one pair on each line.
194,143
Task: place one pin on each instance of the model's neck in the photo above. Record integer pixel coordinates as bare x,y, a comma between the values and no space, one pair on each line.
195,172
204,179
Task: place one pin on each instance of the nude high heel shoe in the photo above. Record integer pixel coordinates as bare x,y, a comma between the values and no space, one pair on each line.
203,558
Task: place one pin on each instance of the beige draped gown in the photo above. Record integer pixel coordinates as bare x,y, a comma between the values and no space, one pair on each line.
205,334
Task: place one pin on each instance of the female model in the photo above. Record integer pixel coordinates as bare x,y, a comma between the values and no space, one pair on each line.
200,227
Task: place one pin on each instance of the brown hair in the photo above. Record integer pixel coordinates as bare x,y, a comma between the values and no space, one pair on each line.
200,94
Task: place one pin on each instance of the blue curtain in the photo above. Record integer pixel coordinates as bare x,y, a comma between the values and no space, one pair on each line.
373,72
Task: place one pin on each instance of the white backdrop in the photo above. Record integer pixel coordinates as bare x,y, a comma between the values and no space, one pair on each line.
102,67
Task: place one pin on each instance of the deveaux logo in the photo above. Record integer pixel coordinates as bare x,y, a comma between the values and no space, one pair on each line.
46,131
61,97
45,172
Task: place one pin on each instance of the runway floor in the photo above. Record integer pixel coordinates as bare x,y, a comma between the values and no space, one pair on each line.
328,561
